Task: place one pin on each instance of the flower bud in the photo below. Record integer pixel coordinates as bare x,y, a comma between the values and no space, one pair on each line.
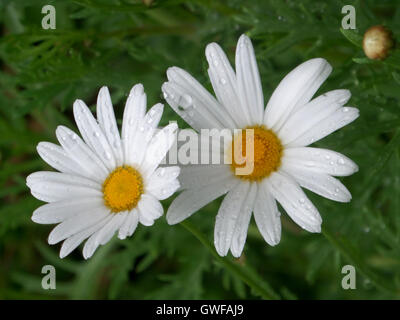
377,42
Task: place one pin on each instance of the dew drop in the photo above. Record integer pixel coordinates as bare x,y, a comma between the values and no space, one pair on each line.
186,101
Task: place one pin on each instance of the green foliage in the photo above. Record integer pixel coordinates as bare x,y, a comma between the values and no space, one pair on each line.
122,42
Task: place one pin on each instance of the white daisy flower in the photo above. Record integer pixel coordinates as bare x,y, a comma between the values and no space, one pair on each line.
105,184
282,161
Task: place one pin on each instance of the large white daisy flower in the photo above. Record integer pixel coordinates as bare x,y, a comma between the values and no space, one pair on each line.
105,184
282,161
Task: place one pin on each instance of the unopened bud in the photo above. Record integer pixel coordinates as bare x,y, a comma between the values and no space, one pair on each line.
377,42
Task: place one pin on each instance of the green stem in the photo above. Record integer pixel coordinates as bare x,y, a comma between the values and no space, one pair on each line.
259,286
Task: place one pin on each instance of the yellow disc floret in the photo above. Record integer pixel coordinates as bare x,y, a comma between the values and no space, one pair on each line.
257,152
122,189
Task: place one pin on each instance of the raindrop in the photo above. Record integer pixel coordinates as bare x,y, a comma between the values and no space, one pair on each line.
222,81
341,161
345,109
186,101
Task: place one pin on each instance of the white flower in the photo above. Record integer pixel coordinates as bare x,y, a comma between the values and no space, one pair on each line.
105,184
282,132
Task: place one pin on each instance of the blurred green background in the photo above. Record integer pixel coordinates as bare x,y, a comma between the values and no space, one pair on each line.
119,43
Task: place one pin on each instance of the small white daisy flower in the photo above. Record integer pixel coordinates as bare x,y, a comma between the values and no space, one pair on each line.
105,184
282,161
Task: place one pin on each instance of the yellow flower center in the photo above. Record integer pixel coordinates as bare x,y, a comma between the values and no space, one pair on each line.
257,153
122,189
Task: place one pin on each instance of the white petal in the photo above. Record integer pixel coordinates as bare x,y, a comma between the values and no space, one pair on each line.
118,220
59,211
335,121
145,220
203,101
198,176
61,178
56,157
129,225
74,241
143,135
295,90
150,209
158,148
163,182
133,222
312,113
223,80
165,191
77,223
92,134
162,176
320,183
243,221
193,103
82,154
249,82
108,123
294,201
228,217
189,201
55,186
103,235
267,215
134,112
320,160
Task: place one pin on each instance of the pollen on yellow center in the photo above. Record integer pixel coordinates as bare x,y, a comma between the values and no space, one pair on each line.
259,162
122,189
